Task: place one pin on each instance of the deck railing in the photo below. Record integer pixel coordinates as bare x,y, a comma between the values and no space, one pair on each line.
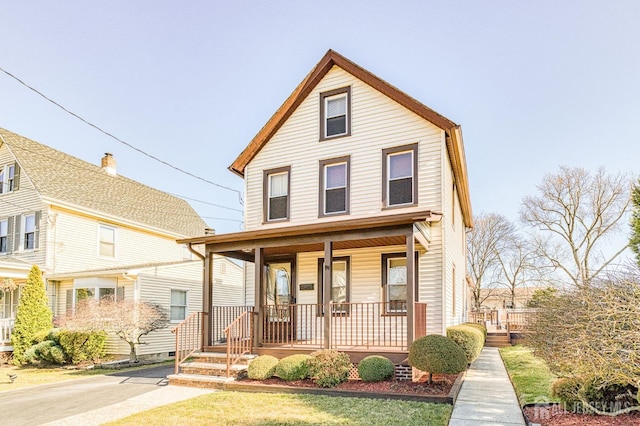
188,337
6,328
353,325
239,336
518,319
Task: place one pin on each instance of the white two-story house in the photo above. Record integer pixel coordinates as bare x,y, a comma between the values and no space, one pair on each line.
357,203
95,233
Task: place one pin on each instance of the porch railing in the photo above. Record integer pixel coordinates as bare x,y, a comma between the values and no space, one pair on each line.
353,325
221,317
6,328
239,336
518,319
188,337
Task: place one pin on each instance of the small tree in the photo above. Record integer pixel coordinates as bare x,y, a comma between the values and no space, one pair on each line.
437,354
127,319
634,240
33,315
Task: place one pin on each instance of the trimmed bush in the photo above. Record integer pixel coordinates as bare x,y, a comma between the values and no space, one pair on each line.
47,352
293,367
566,390
479,326
329,368
83,346
375,368
263,367
437,354
470,339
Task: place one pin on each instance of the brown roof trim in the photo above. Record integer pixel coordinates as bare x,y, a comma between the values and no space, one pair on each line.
331,58
324,227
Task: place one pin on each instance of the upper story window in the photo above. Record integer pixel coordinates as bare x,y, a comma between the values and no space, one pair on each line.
9,178
30,227
399,175
334,186
4,235
276,196
107,244
335,113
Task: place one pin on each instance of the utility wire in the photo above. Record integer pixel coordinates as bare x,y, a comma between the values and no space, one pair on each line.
241,201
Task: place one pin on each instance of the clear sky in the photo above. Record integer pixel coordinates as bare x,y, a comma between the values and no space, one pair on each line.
534,84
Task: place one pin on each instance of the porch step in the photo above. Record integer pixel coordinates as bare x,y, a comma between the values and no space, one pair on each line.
199,381
497,340
219,358
211,369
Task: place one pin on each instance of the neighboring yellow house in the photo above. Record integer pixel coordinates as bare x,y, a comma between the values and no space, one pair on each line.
351,169
94,233
501,298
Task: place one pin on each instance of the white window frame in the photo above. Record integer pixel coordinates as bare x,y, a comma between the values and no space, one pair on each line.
113,244
172,305
25,232
7,178
4,233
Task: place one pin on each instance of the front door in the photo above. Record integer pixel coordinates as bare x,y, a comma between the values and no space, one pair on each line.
280,309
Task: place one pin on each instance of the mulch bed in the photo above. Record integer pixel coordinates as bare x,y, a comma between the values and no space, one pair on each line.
441,386
555,415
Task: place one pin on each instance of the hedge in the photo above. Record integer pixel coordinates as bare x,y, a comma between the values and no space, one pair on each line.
469,337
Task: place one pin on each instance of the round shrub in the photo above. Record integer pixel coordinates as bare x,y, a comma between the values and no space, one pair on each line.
293,367
470,339
329,368
375,368
47,352
566,390
437,354
479,326
263,367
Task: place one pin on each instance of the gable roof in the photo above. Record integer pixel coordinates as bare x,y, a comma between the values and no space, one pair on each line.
453,131
69,182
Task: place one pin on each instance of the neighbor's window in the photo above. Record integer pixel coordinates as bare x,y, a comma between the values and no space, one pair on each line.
399,176
334,186
107,241
394,282
8,178
178,305
276,184
340,284
335,112
29,232
4,231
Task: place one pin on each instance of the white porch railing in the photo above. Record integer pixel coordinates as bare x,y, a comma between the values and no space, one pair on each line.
6,327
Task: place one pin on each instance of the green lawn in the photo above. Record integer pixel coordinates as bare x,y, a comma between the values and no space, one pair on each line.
240,408
530,375
33,376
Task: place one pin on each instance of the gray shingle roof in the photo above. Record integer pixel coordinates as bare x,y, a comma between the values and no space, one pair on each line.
67,179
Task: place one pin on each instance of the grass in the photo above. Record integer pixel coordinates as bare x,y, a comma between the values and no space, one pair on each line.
530,375
33,376
240,408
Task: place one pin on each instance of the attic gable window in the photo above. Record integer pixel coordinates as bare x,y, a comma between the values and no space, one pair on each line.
335,113
276,194
8,178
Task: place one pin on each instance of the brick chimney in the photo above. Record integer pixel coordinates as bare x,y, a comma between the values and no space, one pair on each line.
109,163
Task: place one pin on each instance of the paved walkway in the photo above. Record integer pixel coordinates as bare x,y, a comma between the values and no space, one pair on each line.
487,396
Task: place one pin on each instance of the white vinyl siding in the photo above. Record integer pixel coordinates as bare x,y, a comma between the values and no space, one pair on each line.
377,123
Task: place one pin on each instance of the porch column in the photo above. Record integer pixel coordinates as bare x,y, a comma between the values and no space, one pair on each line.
411,270
258,296
207,299
326,296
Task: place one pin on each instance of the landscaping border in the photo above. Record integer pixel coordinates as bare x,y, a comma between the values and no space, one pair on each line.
256,387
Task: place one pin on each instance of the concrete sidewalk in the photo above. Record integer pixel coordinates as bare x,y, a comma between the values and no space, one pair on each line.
487,396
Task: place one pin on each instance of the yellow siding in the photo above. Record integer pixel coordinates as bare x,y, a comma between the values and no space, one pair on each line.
377,123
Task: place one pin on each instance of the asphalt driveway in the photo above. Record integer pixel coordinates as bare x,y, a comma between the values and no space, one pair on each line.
49,403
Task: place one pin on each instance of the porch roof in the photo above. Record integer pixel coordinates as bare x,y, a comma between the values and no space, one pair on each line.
380,230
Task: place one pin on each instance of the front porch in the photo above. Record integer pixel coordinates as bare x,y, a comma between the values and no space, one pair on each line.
6,328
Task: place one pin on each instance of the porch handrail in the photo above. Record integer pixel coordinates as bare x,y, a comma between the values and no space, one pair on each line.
188,337
6,328
239,336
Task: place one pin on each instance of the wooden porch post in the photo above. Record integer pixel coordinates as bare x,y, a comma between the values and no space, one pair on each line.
207,299
326,296
410,287
258,296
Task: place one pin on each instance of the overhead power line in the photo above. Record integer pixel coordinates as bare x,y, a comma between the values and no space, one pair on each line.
120,140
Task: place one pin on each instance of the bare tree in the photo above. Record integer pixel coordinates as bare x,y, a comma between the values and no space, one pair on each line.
575,212
127,319
519,266
489,235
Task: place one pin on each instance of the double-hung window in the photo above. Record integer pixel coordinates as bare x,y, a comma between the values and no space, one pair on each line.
178,305
400,169
4,235
334,186
340,284
335,113
8,178
107,243
29,242
394,283
276,199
